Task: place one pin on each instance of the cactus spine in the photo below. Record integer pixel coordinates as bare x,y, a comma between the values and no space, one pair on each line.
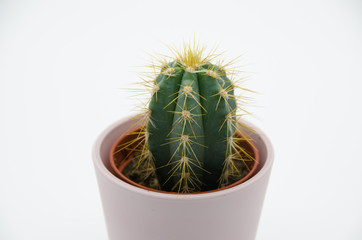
190,136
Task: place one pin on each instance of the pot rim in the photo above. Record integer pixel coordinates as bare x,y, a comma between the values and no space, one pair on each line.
98,163
122,177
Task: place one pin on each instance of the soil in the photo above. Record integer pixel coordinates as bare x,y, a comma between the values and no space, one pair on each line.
137,175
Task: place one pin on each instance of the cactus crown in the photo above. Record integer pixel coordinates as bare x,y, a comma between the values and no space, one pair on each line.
190,139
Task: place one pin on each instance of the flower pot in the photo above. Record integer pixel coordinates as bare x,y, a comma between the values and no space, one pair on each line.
121,160
134,213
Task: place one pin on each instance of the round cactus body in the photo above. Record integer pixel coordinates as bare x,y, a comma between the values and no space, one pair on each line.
190,140
191,125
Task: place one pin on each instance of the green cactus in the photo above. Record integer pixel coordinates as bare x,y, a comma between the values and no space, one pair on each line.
190,139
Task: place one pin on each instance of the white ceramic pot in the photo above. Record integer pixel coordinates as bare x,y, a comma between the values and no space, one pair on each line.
133,213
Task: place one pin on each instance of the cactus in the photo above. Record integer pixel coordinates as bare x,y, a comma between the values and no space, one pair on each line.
190,133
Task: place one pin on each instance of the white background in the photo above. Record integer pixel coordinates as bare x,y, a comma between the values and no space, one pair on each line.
62,64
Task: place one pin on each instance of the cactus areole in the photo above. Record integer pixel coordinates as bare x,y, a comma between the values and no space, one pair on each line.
190,139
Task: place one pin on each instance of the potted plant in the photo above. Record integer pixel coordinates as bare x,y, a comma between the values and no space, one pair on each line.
187,167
